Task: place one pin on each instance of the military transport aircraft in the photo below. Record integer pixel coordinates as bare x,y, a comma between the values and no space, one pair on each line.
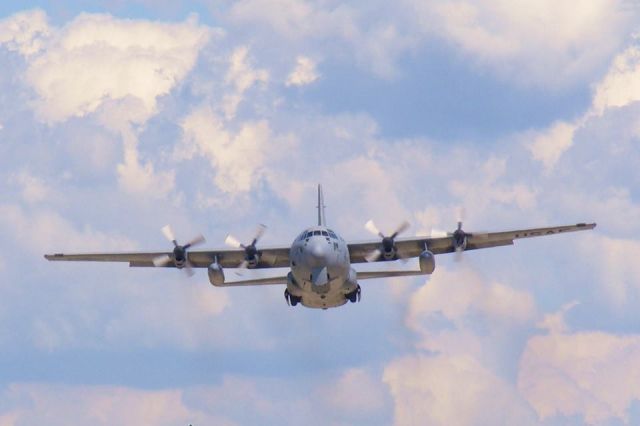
320,262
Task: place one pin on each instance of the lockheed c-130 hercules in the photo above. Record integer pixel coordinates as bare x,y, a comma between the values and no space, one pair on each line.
321,264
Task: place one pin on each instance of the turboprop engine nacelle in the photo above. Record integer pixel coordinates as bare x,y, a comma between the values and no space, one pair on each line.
216,274
427,262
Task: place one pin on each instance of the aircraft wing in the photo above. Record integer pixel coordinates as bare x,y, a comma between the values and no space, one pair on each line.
271,257
413,246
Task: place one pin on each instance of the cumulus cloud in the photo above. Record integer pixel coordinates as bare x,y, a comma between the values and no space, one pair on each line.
374,43
487,185
43,230
590,374
452,390
33,189
544,44
240,77
116,68
457,313
621,85
236,157
24,32
97,58
304,72
616,269
101,405
356,393
548,145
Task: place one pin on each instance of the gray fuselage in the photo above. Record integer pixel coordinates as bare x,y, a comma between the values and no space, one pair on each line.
321,274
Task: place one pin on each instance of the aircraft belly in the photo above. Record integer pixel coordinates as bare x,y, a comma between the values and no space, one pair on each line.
332,299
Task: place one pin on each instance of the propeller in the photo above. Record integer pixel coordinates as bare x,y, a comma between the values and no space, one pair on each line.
459,237
388,242
251,253
179,255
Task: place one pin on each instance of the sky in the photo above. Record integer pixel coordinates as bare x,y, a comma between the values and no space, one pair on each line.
117,118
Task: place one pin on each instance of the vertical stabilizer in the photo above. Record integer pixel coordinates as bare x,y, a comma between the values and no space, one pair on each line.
321,219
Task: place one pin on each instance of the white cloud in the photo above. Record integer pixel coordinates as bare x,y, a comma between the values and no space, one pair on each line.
621,85
114,67
487,185
45,230
449,311
241,76
616,268
555,323
24,32
355,393
545,43
548,145
456,293
97,58
181,318
592,374
98,405
304,72
236,158
375,44
33,189
452,390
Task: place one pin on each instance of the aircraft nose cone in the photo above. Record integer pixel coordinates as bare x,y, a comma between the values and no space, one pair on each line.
316,252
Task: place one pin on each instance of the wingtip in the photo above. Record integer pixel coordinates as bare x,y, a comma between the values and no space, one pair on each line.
586,225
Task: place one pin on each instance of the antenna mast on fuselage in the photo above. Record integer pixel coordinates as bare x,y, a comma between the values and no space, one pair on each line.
321,219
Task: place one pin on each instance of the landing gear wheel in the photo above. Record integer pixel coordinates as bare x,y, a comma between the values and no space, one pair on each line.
355,295
291,299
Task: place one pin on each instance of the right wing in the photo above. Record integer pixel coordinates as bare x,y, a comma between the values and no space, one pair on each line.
413,246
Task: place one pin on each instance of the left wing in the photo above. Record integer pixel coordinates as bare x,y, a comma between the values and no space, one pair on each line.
271,257
413,246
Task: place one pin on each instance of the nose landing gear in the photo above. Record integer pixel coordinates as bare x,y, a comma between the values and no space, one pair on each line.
291,299
355,295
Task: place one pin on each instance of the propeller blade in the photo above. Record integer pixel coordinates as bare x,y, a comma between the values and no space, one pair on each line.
188,269
460,214
168,233
371,227
232,241
403,227
457,257
259,233
195,241
163,260
373,255
242,267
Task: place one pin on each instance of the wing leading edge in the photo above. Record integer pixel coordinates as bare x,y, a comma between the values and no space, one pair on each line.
413,246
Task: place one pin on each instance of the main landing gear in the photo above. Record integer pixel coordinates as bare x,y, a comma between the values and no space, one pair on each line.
355,295
291,299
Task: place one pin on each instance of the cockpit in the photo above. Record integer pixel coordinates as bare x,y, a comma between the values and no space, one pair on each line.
318,233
